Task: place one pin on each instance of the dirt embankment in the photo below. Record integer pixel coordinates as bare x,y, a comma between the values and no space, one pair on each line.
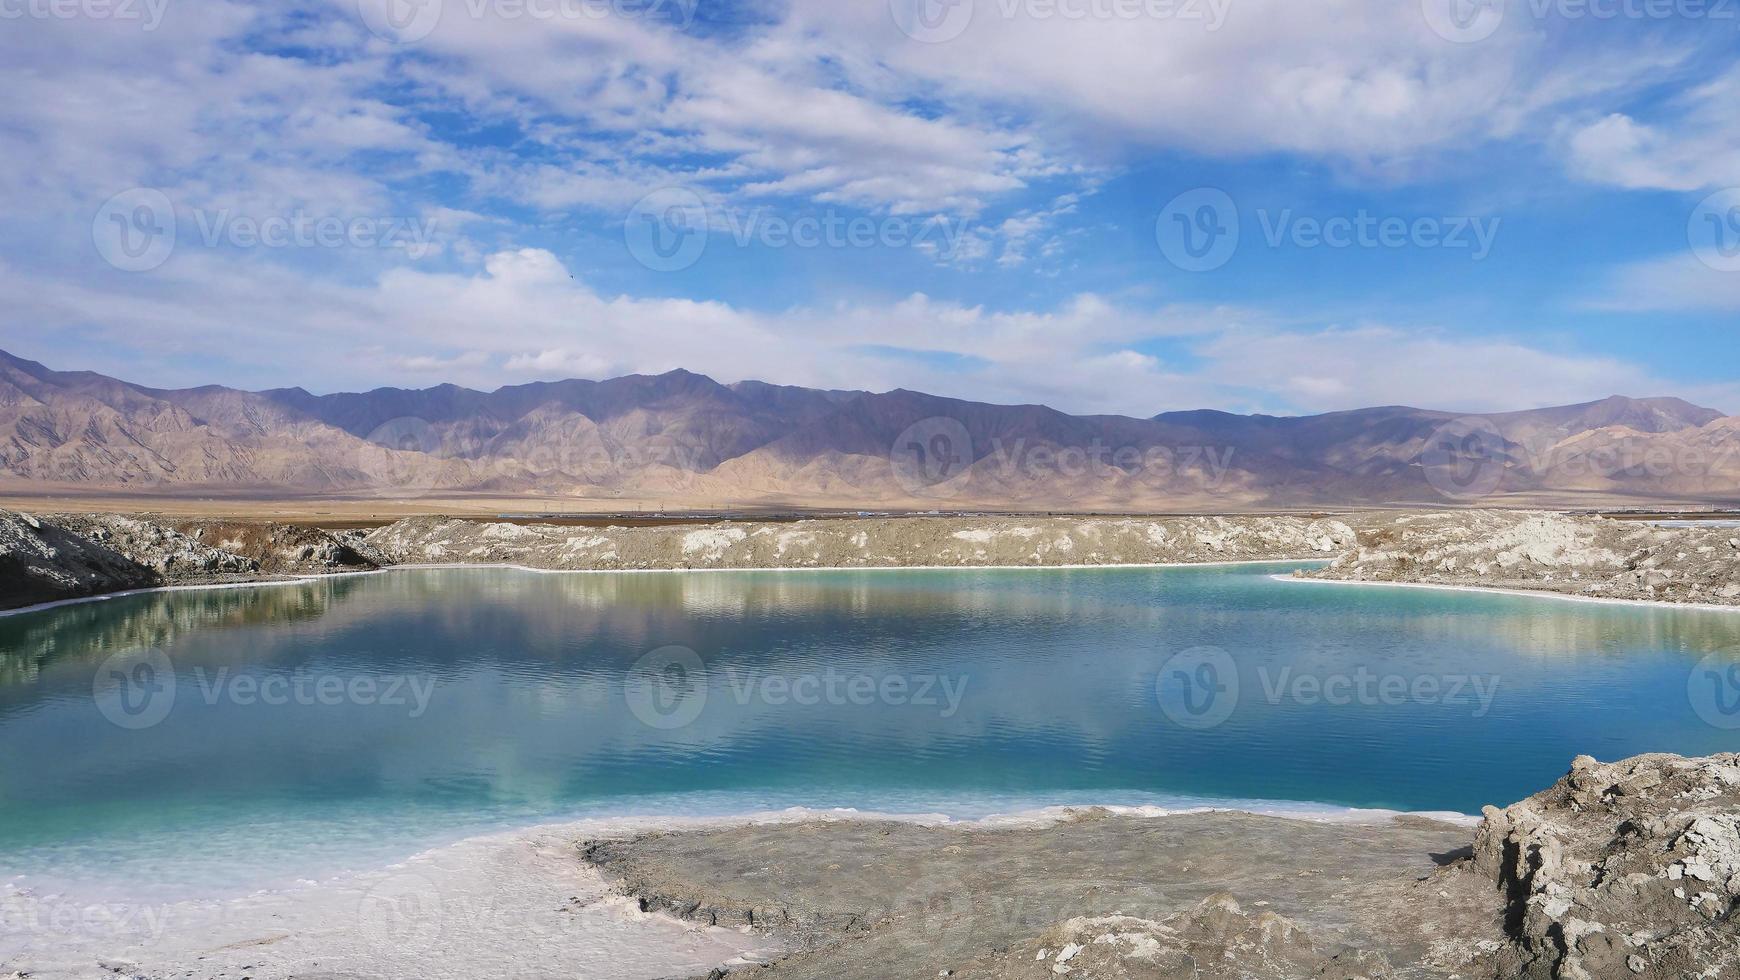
57,557
870,543
70,556
1575,555
1626,870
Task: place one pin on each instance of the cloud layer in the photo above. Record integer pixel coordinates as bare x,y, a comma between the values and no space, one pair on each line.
522,134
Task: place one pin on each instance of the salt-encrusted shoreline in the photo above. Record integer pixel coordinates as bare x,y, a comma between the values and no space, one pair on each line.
1307,579
440,566
468,908
47,561
1574,556
1619,869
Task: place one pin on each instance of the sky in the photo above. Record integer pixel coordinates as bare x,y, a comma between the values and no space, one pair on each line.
1107,206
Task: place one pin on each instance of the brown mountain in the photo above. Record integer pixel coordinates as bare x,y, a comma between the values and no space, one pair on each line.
681,439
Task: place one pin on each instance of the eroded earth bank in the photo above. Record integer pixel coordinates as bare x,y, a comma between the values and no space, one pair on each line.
49,558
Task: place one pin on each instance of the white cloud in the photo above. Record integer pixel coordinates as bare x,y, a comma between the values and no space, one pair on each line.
831,105
1675,282
1694,145
1366,83
1339,368
524,317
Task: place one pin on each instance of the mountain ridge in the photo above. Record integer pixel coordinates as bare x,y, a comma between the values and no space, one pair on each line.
682,437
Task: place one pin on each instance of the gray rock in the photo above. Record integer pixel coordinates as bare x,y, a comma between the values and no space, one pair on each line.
43,563
1624,869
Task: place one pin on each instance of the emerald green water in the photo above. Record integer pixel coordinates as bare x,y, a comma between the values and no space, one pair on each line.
520,701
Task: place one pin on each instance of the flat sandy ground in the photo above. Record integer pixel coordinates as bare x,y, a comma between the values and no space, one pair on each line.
867,898
847,895
340,513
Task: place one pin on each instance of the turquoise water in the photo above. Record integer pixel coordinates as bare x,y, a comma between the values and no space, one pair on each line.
320,725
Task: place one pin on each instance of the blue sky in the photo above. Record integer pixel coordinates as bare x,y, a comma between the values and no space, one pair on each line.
1476,205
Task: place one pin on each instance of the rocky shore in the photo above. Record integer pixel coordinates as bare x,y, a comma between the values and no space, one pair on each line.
871,542
48,558
53,558
1575,555
1622,870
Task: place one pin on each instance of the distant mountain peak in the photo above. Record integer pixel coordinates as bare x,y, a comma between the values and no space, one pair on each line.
682,439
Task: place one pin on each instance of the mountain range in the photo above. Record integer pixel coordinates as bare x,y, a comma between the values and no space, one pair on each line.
682,440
